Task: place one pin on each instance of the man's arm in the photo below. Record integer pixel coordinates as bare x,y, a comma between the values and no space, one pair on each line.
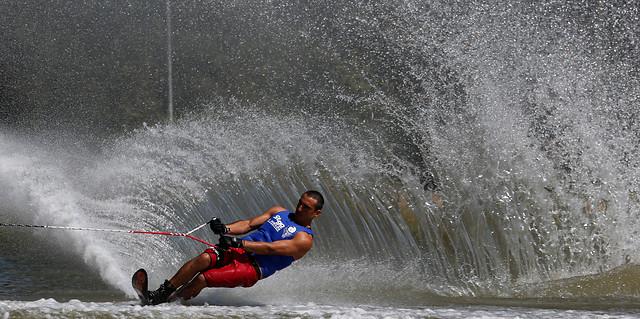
296,247
244,226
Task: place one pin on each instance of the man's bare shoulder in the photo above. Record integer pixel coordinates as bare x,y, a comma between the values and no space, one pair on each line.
276,209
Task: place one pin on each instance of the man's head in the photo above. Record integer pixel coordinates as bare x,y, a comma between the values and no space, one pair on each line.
317,196
309,207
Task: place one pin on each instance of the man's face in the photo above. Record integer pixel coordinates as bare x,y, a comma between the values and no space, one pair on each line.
306,207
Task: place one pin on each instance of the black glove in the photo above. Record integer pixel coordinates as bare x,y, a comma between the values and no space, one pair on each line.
226,242
217,226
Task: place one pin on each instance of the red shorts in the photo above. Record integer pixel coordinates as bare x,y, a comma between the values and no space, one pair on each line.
236,269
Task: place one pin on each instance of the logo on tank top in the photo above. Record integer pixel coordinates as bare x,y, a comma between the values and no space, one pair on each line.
289,231
276,222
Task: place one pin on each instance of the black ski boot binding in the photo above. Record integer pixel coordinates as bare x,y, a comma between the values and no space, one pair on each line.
162,294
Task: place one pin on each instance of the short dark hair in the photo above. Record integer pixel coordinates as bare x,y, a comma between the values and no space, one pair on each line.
317,196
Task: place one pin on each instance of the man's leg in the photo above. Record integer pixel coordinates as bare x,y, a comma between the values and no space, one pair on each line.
193,288
191,268
184,274
230,274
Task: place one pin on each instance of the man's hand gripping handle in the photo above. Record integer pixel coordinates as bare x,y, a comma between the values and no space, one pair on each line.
218,227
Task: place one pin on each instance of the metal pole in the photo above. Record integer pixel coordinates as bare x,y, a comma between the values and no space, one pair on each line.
169,64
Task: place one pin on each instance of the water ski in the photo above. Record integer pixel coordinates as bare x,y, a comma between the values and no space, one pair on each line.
140,283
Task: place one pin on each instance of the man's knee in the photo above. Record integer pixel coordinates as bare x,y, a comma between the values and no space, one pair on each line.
204,260
200,281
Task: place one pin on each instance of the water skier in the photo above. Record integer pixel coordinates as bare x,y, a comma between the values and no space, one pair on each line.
281,237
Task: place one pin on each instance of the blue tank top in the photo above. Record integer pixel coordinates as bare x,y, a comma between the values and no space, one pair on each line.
279,227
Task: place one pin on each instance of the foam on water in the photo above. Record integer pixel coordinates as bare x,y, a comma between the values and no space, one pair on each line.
50,308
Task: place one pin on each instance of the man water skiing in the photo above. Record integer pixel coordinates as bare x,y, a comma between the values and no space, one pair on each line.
281,237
